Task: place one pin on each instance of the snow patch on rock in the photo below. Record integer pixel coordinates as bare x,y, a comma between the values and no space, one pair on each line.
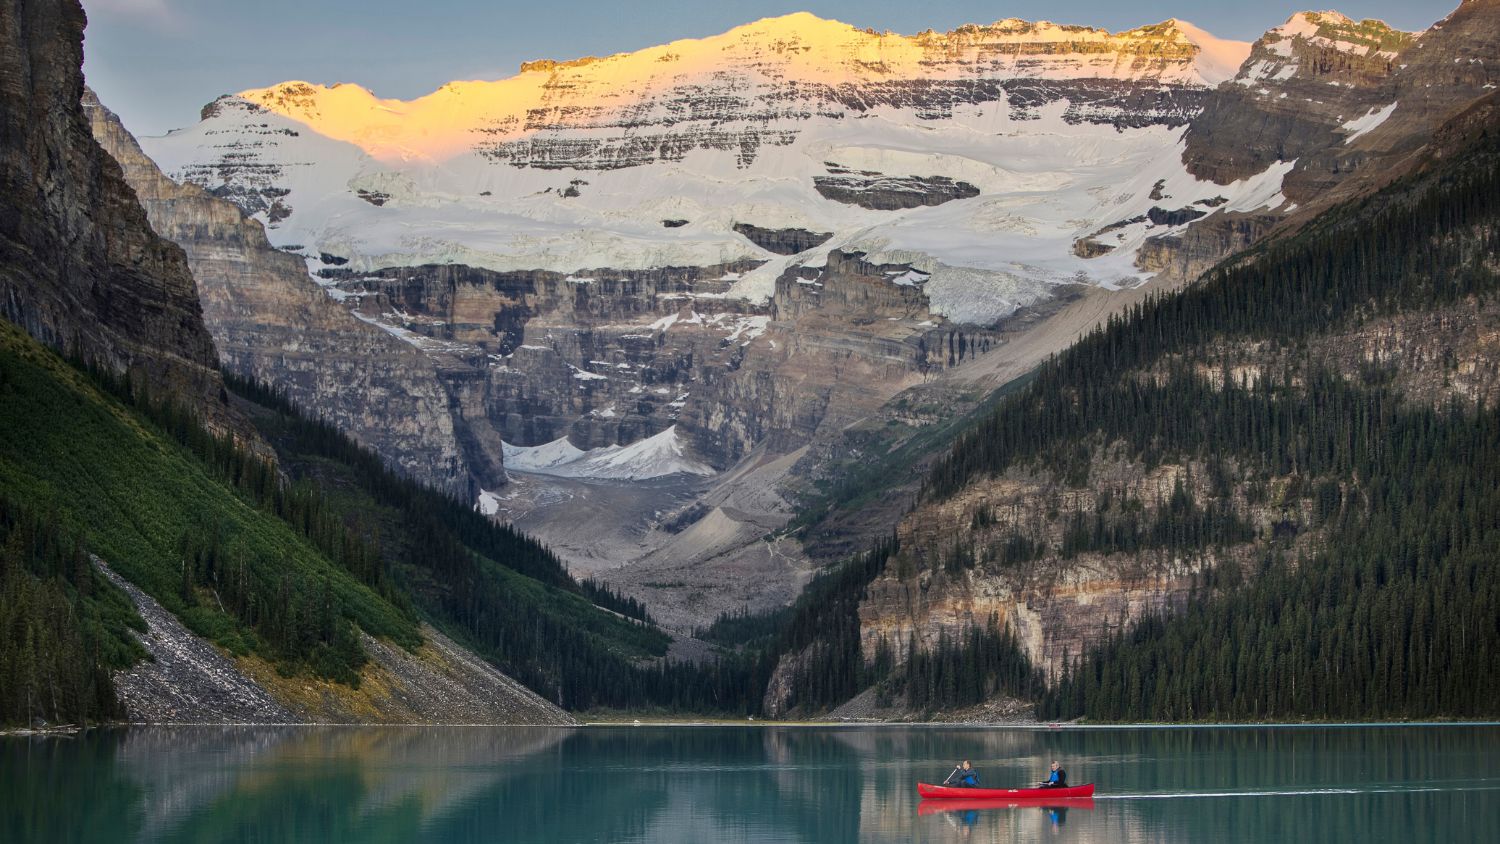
653,457
1363,125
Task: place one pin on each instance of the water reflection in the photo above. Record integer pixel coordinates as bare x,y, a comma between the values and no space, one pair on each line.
652,784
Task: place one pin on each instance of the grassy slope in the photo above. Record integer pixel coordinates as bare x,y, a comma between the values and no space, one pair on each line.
132,493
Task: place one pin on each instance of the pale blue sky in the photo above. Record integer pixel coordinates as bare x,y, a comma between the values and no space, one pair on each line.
156,62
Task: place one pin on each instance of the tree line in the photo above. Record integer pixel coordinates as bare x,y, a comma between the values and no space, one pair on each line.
1395,609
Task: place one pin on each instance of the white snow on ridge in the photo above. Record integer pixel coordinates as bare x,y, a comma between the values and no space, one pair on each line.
1363,125
1219,59
653,457
541,458
432,195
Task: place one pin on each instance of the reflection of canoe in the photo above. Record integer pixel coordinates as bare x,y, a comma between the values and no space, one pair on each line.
944,791
932,807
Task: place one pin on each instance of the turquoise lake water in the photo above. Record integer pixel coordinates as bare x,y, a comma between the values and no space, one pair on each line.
746,784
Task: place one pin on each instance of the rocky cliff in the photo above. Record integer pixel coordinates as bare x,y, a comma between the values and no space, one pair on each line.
80,267
1352,103
424,413
606,357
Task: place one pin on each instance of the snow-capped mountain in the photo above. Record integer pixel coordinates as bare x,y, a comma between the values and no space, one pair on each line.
979,155
728,254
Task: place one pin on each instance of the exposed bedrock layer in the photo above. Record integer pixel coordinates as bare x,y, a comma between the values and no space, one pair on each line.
80,267
607,357
879,192
1353,103
782,241
423,413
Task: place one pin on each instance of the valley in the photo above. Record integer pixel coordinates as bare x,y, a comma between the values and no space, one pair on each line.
795,371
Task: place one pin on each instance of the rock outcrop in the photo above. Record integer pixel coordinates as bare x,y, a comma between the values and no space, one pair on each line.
606,357
80,267
1352,103
1302,81
424,413
782,241
761,262
877,191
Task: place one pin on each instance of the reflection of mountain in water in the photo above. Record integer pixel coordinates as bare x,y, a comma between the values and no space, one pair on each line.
742,784
328,780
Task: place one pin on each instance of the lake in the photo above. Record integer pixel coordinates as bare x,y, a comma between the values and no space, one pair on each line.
751,783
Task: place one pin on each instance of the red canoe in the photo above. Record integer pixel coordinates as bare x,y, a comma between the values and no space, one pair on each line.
944,791
957,804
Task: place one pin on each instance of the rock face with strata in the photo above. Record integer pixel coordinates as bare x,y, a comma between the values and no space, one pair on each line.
879,192
605,357
1302,81
1353,103
424,414
80,267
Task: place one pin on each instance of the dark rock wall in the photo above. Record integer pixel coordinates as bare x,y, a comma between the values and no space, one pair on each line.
80,267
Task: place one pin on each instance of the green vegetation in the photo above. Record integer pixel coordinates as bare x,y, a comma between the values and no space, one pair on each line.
602,596
288,568
1398,616
823,631
976,666
820,634
742,627
195,520
889,459
1394,609
496,590
62,626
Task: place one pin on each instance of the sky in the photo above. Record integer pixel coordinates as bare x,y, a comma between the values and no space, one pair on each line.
158,62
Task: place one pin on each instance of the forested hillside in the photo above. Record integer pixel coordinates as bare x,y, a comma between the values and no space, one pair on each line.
491,587
285,561
1319,421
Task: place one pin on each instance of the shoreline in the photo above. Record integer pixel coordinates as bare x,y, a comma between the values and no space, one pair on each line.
75,730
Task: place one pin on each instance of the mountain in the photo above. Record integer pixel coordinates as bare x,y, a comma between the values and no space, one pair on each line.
80,268
1353,104
270,321
799,122
798,249
178,545
1262,497
730,238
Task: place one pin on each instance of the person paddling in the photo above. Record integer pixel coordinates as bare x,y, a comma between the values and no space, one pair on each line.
1058,779
963,776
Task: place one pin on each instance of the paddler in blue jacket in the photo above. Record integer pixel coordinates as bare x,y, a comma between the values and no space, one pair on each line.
964,776
1059,778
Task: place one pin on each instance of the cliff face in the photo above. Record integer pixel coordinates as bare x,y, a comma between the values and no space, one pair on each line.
273,323
1302,81
80,267
606,357
1353,103
960,562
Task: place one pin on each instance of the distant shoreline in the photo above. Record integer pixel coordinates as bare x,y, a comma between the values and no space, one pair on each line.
74,730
